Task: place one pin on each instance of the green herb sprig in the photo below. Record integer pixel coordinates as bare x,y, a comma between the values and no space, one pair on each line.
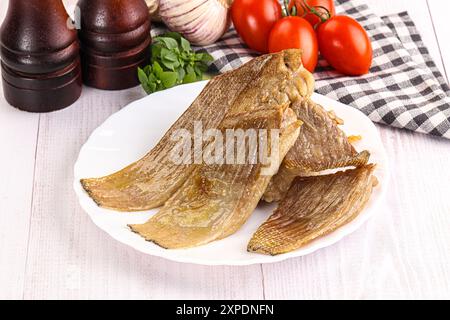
173,63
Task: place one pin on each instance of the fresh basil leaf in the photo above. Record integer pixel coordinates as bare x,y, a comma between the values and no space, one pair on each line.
156,51
160,86
204,57
198,56
185,56
171,65
148,69
146,88
169,79
207,58
173,62
170,43
185,45
197,70
168,55
189,69
190,77
203,66
142,76
181,75
173,35
152,78
157,69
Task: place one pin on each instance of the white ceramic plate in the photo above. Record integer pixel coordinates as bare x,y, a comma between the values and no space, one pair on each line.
130,133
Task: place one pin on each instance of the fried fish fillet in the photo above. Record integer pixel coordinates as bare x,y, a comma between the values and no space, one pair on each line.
314,207
216,200
149,182
321,145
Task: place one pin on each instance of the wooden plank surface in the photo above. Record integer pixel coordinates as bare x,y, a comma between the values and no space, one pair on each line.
439,15
50,249
18,137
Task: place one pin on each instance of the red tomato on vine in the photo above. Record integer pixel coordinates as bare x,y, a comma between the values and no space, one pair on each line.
253,20
295,33
344,43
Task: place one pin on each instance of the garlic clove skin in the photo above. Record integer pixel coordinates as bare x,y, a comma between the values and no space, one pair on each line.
153,8
202,22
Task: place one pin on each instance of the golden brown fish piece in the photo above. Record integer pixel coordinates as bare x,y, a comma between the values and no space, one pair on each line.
265,81
216,200
321,145
312,208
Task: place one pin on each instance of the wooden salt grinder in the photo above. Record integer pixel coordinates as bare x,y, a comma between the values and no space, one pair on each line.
115,41
39,56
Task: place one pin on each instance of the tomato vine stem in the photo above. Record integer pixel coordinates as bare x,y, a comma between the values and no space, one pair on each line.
320,11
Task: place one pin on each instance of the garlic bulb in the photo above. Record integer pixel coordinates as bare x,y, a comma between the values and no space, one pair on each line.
153,8
202,22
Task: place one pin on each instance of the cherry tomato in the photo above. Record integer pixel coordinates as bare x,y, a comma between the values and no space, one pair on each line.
253,20
313,19
295,33
344,43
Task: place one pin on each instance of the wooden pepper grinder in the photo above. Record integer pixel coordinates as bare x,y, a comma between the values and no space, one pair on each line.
115,41
39,56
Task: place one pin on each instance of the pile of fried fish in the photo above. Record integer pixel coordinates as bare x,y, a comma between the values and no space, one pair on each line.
202,203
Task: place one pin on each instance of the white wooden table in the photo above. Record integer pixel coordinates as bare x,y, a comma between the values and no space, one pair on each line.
50,249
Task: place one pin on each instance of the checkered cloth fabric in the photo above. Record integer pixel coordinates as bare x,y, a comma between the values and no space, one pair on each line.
404,88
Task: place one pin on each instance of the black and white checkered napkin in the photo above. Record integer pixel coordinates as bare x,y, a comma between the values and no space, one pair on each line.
404,88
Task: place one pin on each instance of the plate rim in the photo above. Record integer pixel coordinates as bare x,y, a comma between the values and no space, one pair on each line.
259,259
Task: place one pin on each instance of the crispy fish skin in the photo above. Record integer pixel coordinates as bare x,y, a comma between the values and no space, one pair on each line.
321,145
312,208
216,200
148,183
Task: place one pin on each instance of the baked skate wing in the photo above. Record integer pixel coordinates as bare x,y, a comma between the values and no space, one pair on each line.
216,200
268,80
312,208
321,145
